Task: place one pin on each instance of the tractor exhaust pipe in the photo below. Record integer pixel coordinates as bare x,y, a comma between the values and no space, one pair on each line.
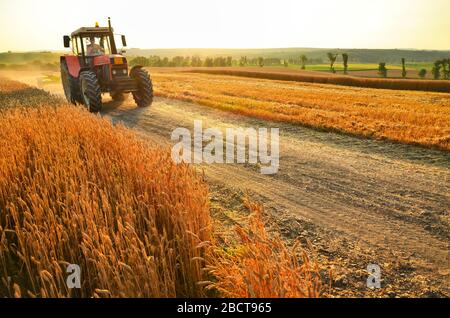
109,24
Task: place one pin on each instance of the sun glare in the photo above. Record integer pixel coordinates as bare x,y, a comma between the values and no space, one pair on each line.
234,24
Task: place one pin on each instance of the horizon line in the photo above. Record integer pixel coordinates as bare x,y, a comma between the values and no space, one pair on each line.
238,48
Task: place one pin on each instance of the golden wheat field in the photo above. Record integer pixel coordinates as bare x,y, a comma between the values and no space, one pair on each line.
263,267
421,118
74,189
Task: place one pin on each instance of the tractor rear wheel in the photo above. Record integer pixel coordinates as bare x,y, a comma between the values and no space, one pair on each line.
90,91
70,85
144,95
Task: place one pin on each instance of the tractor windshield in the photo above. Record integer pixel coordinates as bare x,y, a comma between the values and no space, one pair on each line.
96,45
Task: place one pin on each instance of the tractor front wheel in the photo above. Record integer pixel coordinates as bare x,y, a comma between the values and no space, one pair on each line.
144,95
90,91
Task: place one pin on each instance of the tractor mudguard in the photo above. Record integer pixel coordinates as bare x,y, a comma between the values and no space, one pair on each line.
135,68
73,64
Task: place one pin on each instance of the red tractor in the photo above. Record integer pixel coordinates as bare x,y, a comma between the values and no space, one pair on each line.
95,67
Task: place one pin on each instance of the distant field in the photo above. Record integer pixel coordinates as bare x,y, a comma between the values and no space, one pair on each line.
287,74
404,116
42,61
363,69
368,67
27,57
339,67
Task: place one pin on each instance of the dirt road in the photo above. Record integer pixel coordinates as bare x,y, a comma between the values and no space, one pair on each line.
359,201
390,198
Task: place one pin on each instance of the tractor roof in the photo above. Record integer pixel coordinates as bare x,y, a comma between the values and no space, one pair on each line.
86,31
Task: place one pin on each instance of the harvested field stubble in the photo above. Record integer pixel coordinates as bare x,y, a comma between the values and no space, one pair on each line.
381,83
421,118
19,95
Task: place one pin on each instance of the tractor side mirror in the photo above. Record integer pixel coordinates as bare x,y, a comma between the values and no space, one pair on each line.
66,41
124,41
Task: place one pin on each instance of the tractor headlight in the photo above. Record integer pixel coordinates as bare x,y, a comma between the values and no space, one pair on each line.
114,72
124,71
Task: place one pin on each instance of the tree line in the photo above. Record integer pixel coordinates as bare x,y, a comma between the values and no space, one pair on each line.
182,61
440,70
220,61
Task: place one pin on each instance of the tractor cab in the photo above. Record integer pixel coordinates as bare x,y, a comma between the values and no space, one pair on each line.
92,42
95,58
89,41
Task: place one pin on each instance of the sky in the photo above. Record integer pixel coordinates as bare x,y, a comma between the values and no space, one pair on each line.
27,25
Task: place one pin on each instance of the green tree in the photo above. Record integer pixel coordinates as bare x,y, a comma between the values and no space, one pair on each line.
154,60
345,61
403,67
177,61
285,63
209,62
446,68
260,61
140,60
303,61
196,61
332,57
422,73
187,61
229,61
382,70
243,61
436,70
165,62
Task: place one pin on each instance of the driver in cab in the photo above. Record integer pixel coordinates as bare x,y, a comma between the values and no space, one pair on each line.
94,48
